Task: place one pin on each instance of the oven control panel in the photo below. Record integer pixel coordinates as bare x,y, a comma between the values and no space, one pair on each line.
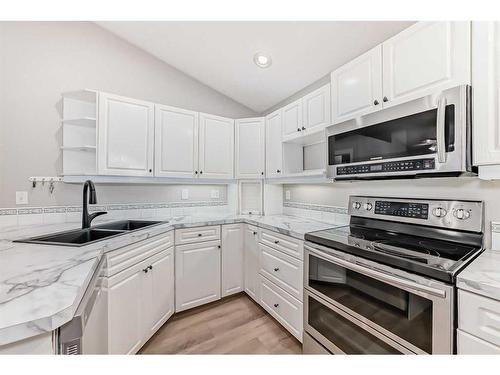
391,166
462,215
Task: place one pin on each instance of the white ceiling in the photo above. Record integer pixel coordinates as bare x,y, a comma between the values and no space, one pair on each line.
220,54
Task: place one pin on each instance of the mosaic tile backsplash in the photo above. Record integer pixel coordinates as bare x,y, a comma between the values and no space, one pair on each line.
328,214
63,214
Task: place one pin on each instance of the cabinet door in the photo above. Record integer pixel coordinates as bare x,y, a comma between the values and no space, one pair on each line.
274,147
216,146
316,109
357,86
176,142
124,314
125,136
486,95
250,148
197,274
252,266
232,259
425,58
158,293
292,119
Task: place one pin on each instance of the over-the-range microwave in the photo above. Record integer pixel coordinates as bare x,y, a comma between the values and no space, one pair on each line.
430,136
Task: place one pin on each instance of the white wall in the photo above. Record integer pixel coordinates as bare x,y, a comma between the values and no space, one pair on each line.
467,188
38,61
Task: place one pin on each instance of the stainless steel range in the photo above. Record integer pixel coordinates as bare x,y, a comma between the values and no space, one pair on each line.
385,283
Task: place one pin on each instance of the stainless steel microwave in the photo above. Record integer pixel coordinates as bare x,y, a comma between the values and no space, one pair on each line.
430,136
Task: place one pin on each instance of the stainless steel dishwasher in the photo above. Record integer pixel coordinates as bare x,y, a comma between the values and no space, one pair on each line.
87,332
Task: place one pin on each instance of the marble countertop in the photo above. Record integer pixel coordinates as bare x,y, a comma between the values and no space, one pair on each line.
42,285
483,275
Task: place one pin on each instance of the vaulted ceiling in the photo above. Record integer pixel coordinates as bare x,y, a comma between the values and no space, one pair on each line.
220,54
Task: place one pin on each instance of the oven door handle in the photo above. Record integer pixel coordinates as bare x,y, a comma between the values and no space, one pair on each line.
397,281
440,131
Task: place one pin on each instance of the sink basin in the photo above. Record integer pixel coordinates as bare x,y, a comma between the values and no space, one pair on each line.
77,237
128,225
81,237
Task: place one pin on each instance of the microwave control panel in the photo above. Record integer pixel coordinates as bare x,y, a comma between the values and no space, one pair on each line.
390,166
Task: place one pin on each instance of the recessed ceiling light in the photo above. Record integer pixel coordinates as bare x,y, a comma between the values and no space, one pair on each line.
262,60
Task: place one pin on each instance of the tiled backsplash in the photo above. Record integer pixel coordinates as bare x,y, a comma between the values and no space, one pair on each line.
62,214
328,214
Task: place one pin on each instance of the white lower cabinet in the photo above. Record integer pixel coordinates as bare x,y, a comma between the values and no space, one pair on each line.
140,300
251,259
283,307
469,344
232,259
197,274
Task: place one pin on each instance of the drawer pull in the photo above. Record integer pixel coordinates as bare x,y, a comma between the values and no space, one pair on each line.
199,234
276,242
276,304
145,270
254,233
276,269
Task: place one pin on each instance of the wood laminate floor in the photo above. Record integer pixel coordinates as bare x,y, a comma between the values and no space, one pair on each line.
234,325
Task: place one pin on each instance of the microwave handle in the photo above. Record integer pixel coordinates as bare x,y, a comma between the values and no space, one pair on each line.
440,136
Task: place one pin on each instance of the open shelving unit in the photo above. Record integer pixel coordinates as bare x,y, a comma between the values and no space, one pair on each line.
79,124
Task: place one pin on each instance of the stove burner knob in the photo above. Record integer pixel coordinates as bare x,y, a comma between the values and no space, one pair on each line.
461,214
439,212
368,206
356,205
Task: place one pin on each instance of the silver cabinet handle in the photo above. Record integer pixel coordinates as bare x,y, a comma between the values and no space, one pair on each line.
397,281
440,131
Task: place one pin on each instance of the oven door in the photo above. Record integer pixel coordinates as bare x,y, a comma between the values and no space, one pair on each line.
427,135
355,309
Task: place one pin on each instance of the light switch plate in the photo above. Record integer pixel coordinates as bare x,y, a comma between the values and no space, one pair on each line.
185,194
214,193
21,197
288,195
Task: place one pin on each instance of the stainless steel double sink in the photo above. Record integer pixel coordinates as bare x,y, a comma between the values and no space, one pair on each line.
81,237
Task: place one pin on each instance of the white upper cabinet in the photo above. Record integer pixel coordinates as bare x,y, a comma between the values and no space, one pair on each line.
250,147
486,93
125,136
216,147
316,109
292,119
274,147
357,86
425,58
176,142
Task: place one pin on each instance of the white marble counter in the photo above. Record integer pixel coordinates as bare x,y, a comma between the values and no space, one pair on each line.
42,285
483,275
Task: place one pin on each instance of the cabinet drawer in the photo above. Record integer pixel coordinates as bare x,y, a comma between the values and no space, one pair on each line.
281,242
284,270
127,256
468,344
198,234
479,316
283,307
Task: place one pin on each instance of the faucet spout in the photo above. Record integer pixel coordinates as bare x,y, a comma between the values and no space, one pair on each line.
89,189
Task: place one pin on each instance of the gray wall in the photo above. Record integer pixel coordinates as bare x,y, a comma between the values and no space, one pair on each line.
468,188
38,61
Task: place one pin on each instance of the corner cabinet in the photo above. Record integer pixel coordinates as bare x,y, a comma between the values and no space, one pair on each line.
425,58
250,148
125,136
176,142
216,147
486,97
274,146
357,86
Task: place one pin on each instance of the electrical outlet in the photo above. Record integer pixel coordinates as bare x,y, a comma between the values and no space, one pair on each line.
21,197
185,194
214,193
288,195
